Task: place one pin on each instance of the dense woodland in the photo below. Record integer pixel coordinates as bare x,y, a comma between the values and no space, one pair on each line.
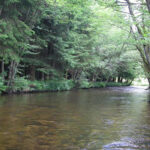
62,44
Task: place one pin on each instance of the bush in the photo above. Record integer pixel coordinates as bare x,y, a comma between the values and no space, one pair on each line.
107,84
84,84
99,84
113,84
21,84
37,85
58,85
2,86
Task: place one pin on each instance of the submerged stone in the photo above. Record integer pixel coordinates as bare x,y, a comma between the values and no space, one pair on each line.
120,144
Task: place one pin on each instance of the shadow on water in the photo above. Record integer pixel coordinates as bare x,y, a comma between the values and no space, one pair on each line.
95,119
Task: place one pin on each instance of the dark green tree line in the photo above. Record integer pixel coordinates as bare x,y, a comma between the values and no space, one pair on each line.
62,39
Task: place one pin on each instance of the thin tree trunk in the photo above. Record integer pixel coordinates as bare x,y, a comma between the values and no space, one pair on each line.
119,79
66,75
12,72
133,17
2,69
32,74
146,51
1,11
148,5
148,82
42,76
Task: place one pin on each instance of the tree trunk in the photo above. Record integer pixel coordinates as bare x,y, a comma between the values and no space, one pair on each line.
148,82
144,49
119,79
147,72
113,80
12,72
32,74
42,76
1,9
66,74
148,5
2,69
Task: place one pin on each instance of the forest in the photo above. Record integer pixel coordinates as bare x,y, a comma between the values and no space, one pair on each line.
64,44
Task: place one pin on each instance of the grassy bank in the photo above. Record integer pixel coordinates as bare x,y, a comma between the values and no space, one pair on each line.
23,85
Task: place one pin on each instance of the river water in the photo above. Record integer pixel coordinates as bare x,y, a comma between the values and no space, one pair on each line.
94,119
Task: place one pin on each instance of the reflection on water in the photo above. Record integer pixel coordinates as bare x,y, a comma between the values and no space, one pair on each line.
95,119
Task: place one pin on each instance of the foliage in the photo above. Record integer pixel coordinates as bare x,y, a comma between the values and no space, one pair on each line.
25,85
136,15
84,84
58,45
56,85
21,84
98,84
113,84
2,86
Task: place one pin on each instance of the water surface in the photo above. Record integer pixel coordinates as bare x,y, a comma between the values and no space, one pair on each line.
95,119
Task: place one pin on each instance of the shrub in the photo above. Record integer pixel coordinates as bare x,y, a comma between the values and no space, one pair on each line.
21,84
83,84
98,84
58,85
113,84
2,86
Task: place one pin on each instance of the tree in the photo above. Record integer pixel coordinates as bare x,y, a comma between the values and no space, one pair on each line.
137,15
71,39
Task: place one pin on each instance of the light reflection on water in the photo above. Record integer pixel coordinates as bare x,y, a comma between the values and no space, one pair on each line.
95,119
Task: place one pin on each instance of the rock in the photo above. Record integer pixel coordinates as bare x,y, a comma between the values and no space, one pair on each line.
119,144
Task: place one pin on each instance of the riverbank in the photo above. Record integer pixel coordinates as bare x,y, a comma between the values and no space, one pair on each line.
22,85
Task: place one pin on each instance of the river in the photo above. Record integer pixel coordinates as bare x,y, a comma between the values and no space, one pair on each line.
94,119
